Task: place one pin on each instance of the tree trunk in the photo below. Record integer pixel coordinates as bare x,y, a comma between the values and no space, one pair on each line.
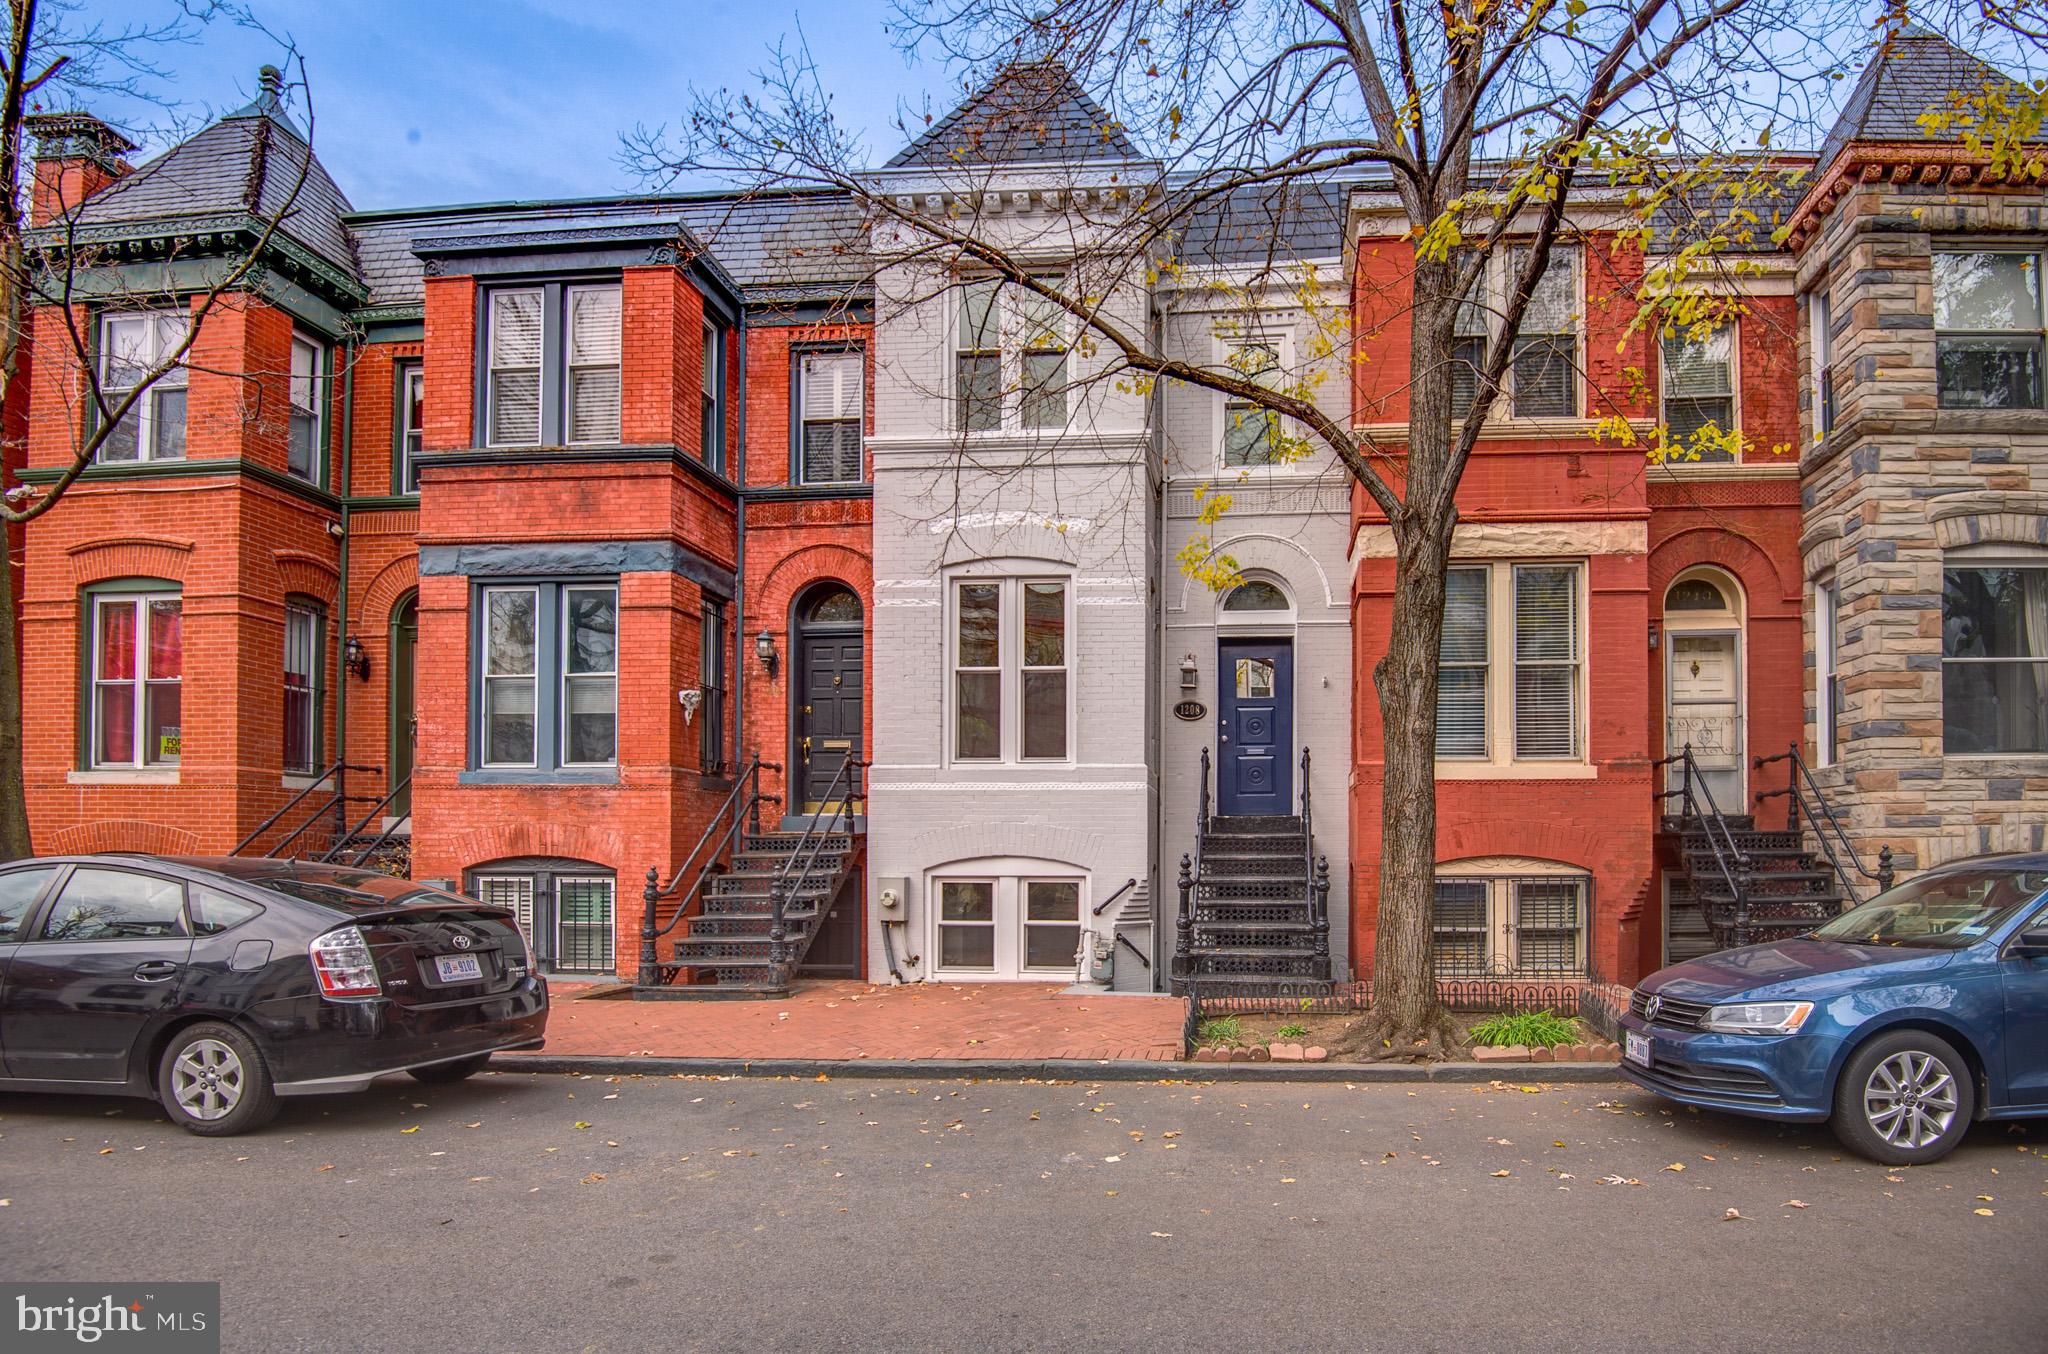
14,839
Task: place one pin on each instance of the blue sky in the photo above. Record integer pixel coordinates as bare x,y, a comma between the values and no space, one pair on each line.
432,101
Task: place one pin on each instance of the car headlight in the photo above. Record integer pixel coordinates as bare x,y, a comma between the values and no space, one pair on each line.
1758,1017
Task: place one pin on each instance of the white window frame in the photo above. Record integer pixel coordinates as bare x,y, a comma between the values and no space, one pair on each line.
307,404
1008,881
1821,349
1009,667
563,677
1501,756
411,435
1012,392
1490,298
1501,955
1827,619
2007,557
711,396
492,368
2039,331
853,357
1732,330
570,366
166,330
139,683
485,677
1282,344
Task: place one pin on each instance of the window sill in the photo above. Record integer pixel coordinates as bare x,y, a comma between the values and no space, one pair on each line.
296,782
1516,771
126,776
596,775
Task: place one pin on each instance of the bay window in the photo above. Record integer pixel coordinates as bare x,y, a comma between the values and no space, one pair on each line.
1699,393
136,680
302,452
1994,658
1011,660
547,677
1827,672
1510,656
831,407
131,346
1988,329
551,356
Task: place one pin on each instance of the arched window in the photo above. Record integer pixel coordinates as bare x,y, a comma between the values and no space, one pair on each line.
1255,595
1695,594
832,606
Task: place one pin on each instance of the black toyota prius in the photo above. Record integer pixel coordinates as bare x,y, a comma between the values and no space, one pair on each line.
218,986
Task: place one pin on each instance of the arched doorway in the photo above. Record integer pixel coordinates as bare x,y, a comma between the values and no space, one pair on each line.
828,692
1255,751
404,728
1703,686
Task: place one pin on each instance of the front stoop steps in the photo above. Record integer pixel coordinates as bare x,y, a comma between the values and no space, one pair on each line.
1790,890
1255,920
723,949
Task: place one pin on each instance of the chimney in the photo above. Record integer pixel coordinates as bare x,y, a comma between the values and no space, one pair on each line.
76,156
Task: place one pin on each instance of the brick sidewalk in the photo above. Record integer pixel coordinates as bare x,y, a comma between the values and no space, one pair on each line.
854,1020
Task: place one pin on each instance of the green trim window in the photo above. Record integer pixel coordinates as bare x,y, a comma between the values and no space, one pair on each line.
135,679
711,377
131,346
547,677
711,682
551,365
408,433
831,406
1988,329
305,627
308,376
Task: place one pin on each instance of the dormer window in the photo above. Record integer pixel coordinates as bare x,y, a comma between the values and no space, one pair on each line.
552,365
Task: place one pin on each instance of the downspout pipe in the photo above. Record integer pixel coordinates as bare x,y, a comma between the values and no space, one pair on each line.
348,442
739,582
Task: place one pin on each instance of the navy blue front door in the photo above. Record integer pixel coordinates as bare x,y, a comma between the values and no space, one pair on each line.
1255,726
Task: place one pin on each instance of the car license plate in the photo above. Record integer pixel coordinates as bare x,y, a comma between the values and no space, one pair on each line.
456,968
1636,1048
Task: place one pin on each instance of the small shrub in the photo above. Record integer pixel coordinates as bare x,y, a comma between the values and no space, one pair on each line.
1532,1029
1290,1032
1219,1030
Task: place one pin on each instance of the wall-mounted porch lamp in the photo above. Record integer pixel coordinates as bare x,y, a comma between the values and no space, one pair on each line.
1187,673
764,649
356,658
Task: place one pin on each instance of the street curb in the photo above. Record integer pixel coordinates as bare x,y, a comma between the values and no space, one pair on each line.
1054,1069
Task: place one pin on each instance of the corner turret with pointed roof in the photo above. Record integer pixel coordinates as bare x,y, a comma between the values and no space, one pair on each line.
229,180
1029,112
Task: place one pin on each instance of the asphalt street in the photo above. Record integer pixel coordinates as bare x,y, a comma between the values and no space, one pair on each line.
549,1212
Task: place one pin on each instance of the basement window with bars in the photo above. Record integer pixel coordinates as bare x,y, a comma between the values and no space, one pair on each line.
131,346
567,910
1699,394
831,407
552,358
1530,616
1516,925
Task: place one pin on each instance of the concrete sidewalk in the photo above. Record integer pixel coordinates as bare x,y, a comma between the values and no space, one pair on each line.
853,1021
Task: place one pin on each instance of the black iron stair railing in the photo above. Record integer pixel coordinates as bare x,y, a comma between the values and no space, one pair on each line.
335,777
1804,801
1730,860
1316,872
382,837
845,790
741,810
1190,871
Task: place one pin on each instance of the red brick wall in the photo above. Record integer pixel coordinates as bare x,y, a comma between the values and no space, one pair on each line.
450,362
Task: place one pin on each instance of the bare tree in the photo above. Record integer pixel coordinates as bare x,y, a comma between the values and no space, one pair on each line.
1486,127
54,52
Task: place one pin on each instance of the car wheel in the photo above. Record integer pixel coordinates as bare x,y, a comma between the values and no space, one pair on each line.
213,1081
1904,1099
460,1070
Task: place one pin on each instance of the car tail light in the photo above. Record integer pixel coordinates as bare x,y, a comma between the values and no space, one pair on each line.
343,963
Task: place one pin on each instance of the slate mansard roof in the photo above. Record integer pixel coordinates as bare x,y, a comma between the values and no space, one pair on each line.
246,164
1914,72
1029,113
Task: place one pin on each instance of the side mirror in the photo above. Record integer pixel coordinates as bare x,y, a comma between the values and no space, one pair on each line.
2030,944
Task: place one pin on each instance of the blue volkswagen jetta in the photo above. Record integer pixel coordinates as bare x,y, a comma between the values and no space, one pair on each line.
1899,1022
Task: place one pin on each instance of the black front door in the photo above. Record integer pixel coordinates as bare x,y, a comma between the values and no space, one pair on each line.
829,713
1255,726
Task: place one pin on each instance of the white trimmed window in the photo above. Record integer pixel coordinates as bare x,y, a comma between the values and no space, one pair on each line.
1510,918
1011,660
302,635
1510,658
1251,432
412,415
711,399
302,456
131,346
1821,345
590,676
1699,391
1009,339
511,675
552,365
1018,919
1827,672
138,661
1994,657
831,407
1542,377
1988,328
